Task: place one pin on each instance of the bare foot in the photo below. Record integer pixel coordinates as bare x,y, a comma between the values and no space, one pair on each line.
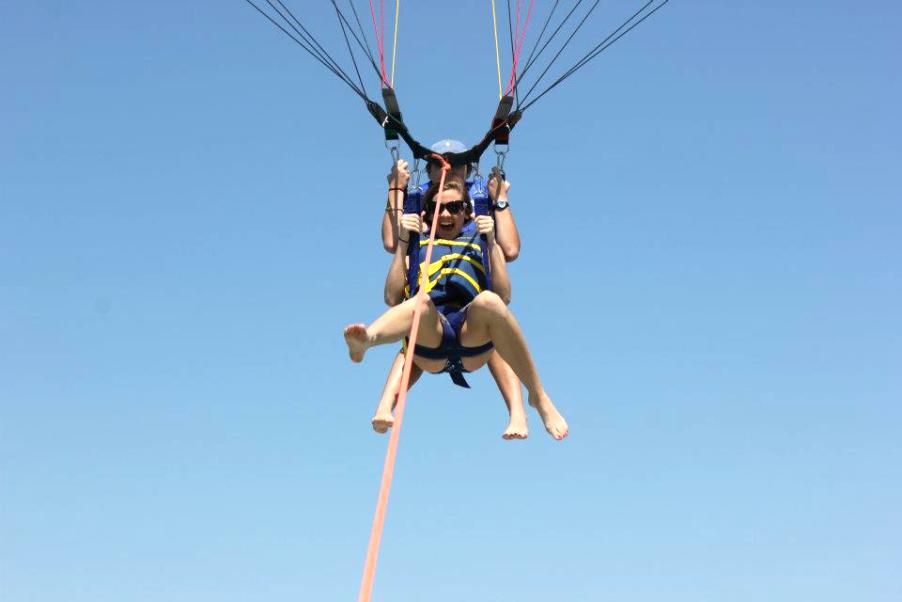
554,422
516,428
383,420
355,337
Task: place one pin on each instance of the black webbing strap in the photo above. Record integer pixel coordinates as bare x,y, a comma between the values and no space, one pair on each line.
502,134
392,108
502,124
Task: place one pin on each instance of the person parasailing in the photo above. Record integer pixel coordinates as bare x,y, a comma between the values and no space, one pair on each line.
462,323
508,239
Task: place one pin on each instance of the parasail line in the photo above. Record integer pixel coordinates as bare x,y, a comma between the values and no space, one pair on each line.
363,45
497,51
550,39
344,32
337,72
541,34
388,469
561,49
595,52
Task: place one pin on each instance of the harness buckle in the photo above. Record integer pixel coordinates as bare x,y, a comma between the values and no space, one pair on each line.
455,368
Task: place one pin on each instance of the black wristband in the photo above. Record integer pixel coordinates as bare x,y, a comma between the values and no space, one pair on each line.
397,188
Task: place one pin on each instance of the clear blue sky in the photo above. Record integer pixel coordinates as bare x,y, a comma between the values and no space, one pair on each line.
710,282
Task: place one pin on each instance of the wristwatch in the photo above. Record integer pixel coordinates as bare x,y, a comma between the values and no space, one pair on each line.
501,205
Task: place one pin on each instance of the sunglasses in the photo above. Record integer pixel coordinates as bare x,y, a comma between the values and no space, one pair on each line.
453,207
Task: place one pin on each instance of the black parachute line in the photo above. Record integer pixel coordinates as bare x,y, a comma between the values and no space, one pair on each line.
561,25
534,55
288,23
563,47
525,101
366,42
535,46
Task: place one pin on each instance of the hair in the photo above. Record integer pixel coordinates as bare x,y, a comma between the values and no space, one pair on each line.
455,185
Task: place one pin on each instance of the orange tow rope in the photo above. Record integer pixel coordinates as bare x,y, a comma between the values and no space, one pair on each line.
372,551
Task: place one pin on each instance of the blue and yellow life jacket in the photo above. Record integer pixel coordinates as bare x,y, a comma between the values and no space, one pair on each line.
456,273
481,203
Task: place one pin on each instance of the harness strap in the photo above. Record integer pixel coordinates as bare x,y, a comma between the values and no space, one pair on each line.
501,127
451,349
413,204
392,108
482,207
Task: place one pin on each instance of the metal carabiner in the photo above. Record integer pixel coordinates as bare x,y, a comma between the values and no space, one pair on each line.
394,150
500,156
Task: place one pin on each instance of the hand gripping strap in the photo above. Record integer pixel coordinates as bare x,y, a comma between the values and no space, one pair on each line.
482,206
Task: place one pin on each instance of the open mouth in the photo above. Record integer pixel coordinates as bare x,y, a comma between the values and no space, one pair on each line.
445,226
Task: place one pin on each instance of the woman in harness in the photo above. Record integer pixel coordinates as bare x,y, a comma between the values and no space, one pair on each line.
507,237
461,323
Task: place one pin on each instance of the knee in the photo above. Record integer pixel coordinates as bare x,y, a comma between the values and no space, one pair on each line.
490,302
428,307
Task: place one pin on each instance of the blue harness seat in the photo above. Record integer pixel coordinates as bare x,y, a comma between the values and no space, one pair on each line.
451,349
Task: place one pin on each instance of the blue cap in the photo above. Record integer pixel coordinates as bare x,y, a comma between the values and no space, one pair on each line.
449,146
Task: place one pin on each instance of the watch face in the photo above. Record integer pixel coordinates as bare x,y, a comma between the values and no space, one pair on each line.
501,205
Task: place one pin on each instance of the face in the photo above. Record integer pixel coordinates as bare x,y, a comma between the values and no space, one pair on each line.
456,173
452,217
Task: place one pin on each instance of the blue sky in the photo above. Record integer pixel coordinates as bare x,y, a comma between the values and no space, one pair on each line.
709,280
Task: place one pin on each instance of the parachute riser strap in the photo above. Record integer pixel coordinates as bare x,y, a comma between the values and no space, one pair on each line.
500,125
392,109
391,136
386,121
501,130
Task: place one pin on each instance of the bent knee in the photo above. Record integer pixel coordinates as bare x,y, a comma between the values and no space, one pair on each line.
489,301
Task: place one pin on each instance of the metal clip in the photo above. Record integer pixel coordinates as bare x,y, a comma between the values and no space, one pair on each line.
500,156
394,148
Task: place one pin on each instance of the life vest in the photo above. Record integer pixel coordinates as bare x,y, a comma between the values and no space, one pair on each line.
456,273
481,203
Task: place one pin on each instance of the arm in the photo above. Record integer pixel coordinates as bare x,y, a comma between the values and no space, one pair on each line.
396,278
506,232
501,284
394,204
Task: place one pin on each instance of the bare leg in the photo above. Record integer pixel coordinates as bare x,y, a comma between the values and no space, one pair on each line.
383,419
509,385
488,318
391,327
